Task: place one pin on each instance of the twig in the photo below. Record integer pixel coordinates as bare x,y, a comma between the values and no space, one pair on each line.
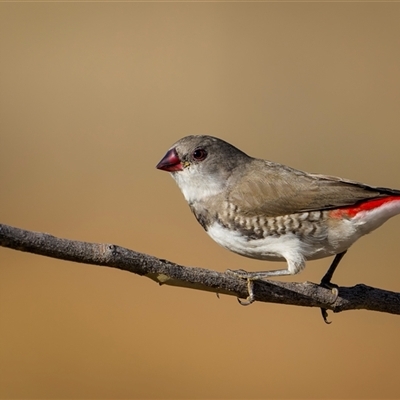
305,294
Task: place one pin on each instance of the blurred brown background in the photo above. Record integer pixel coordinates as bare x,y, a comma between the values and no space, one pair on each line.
92,95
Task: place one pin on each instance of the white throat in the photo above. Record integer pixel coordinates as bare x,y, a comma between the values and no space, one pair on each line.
195,187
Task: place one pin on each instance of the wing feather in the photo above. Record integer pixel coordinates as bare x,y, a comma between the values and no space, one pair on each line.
272,189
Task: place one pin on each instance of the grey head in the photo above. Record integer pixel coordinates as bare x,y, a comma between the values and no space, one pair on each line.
202,165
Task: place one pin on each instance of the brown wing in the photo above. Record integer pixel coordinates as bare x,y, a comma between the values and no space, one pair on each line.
271,189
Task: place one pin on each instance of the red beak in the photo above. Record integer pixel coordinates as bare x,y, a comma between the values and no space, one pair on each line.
170,162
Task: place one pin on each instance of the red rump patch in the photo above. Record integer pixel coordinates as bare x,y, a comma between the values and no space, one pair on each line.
352,211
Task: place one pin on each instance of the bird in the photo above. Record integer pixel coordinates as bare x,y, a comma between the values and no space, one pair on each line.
269,211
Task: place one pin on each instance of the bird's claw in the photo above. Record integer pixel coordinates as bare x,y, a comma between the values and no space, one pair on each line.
250,298
324,313
333,287
240,273
335,291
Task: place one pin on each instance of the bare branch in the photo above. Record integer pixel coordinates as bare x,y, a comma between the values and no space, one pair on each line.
305,294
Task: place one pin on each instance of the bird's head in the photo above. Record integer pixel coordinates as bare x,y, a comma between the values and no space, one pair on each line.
201,165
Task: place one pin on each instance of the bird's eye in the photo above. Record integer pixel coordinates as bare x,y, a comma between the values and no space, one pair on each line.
199,154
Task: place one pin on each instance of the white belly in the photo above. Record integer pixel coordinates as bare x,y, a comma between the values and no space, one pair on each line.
272,248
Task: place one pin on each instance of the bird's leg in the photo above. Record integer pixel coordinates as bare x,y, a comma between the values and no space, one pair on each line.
326,282
293,268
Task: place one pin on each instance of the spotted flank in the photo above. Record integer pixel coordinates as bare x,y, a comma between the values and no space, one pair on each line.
301,224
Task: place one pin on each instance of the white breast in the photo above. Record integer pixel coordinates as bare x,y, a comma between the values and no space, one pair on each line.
195,187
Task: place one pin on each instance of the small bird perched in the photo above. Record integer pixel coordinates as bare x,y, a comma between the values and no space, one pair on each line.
269,211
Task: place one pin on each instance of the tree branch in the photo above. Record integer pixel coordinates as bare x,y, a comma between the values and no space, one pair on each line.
305,294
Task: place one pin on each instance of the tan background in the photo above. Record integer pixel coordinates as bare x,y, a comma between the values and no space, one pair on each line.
92,95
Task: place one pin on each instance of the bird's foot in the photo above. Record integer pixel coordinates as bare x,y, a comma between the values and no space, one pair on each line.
240,273
335,291
254,276
333,287
250,298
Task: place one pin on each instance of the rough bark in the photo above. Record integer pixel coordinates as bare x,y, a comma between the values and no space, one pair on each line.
165,272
